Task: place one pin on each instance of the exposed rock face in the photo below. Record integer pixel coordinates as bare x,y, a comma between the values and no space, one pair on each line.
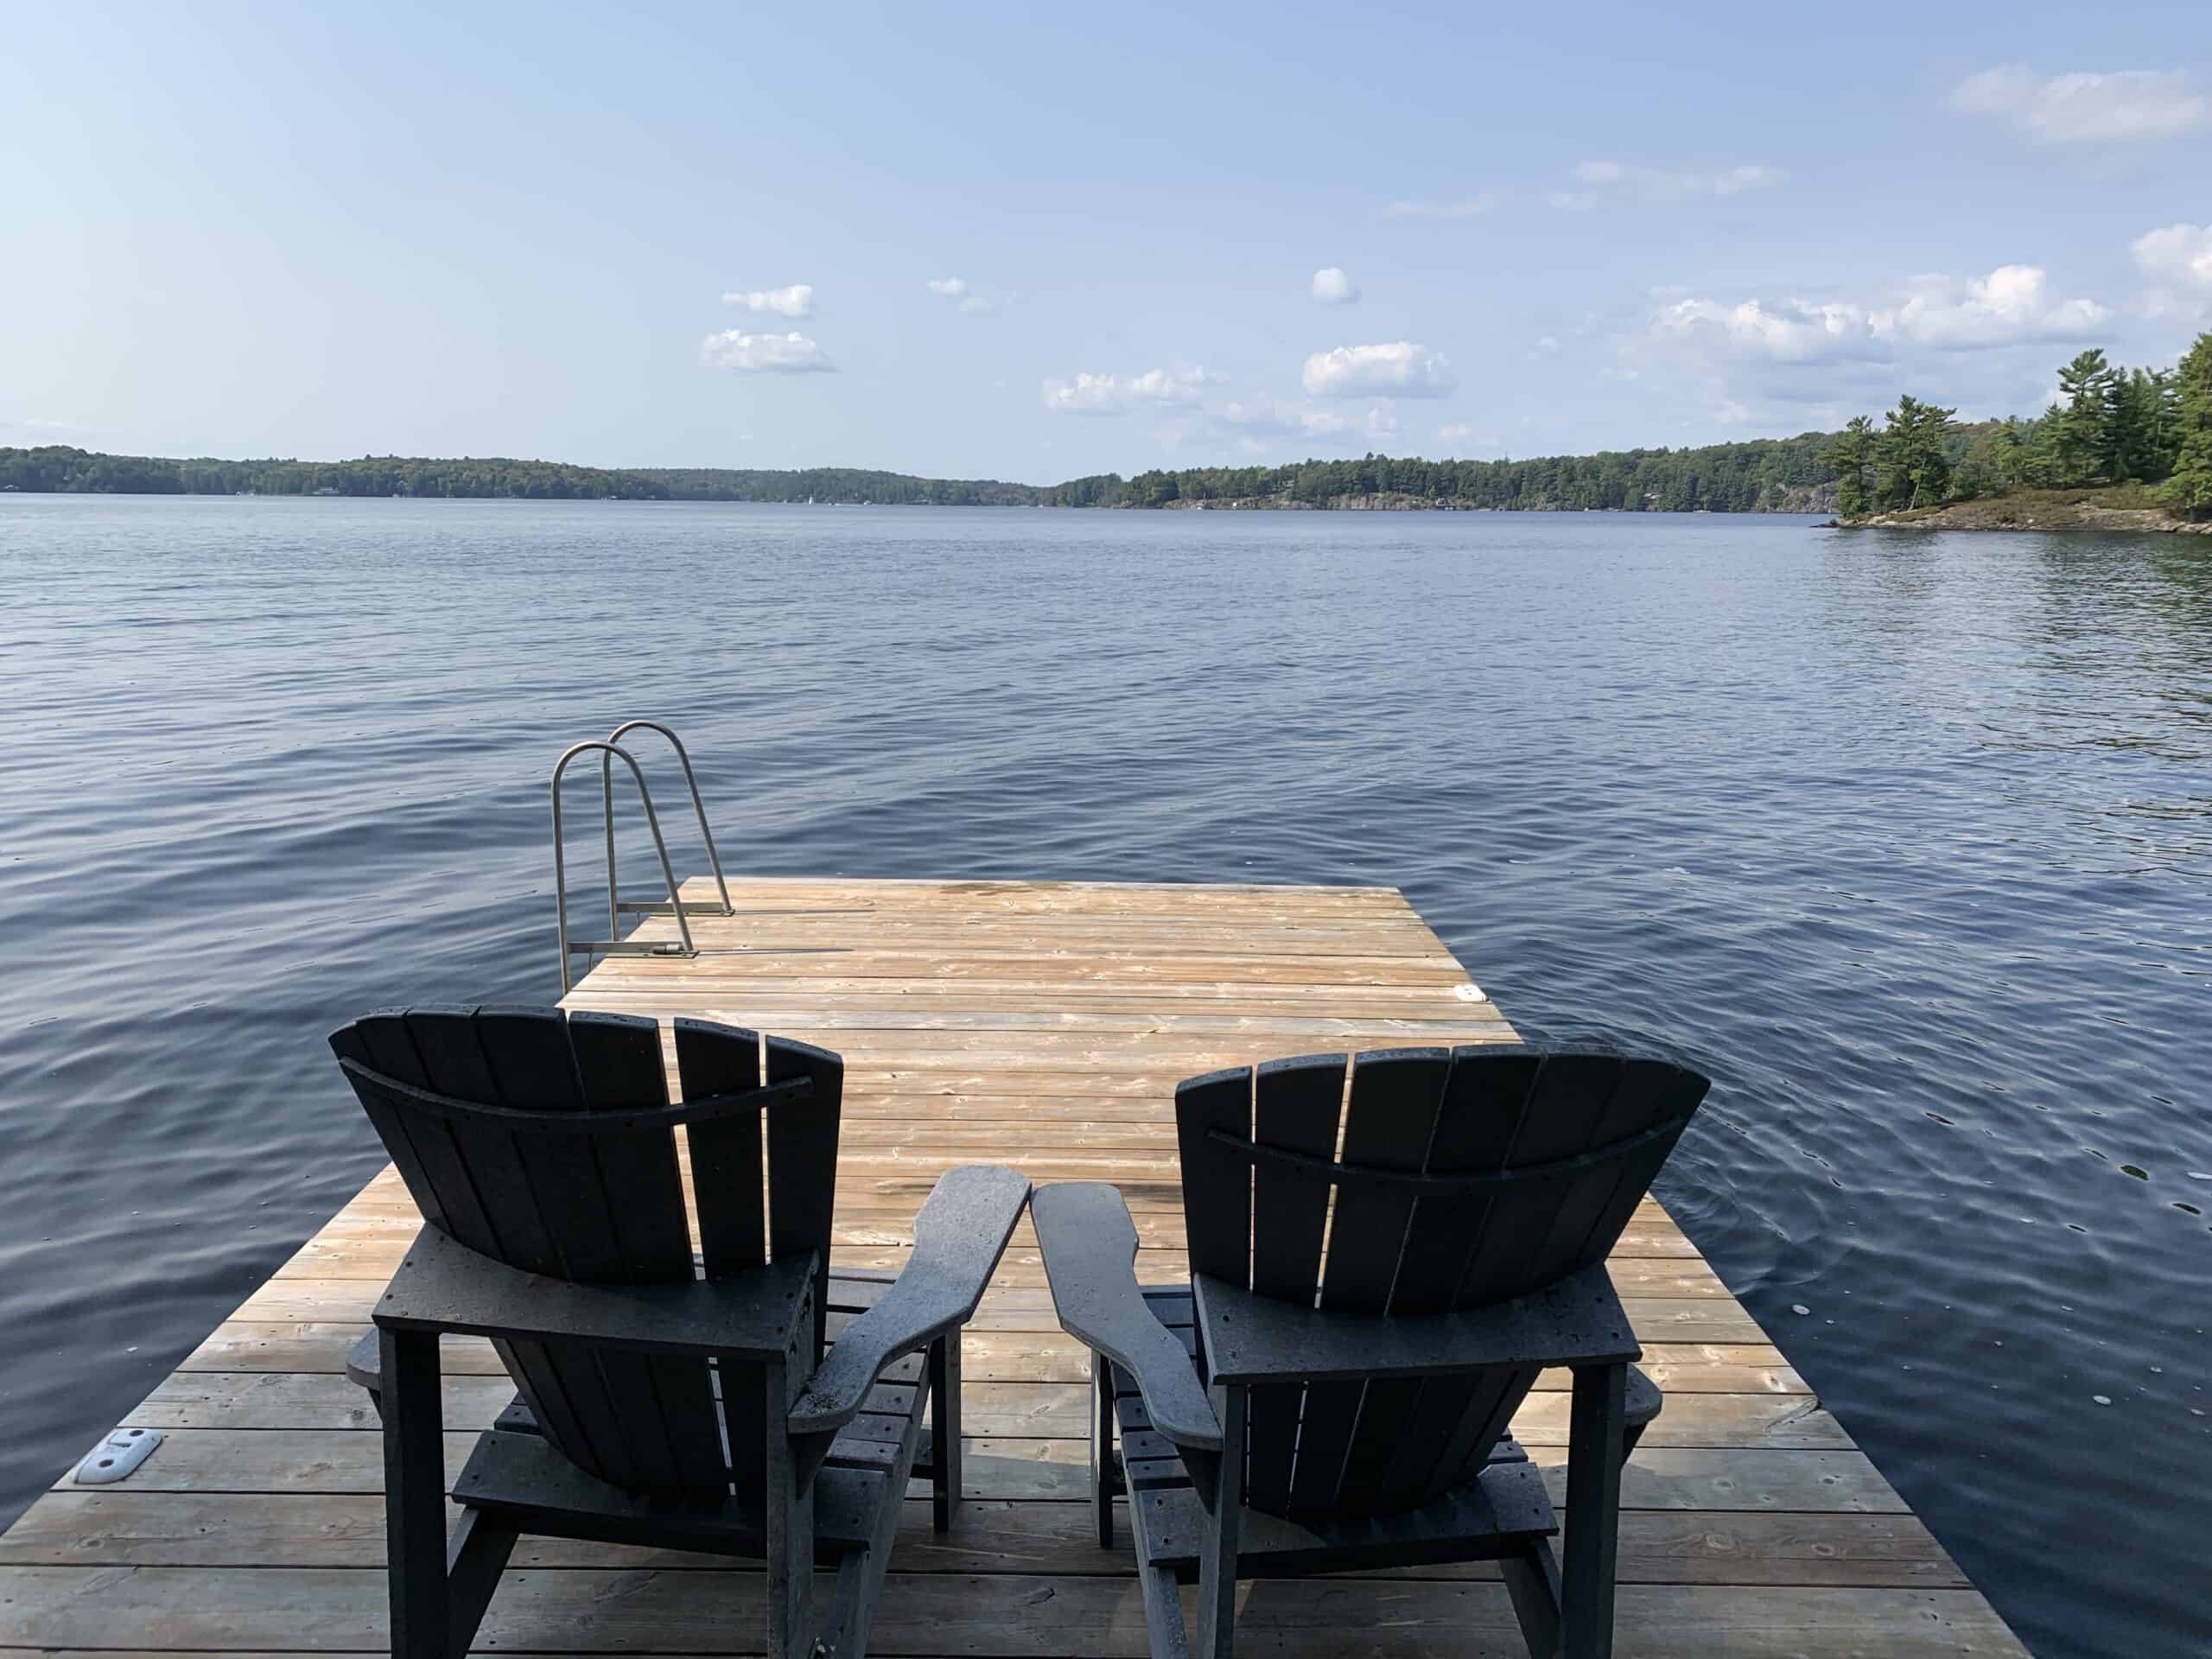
2036,509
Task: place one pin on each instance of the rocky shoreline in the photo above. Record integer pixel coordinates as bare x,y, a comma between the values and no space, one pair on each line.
2039,510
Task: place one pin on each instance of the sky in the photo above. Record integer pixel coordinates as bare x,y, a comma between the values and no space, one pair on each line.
1034,242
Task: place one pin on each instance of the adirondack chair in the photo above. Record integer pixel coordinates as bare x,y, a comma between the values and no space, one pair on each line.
664,1399
1290,1411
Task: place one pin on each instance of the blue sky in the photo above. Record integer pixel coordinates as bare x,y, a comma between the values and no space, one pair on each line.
1030,242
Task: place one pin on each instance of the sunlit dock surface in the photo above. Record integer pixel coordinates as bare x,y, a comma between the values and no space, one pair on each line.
1042,1025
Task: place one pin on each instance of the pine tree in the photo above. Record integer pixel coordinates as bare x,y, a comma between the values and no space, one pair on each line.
2189,491
1850,454
1911,468
2080,446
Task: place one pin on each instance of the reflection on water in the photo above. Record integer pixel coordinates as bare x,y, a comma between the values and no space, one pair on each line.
1905,839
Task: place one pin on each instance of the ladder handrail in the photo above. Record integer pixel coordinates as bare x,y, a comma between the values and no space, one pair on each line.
609,752
698,807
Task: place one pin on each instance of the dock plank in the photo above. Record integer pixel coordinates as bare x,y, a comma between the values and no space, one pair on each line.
1044,1025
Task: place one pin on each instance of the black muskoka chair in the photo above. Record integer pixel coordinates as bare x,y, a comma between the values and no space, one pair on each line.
1291,1410
663,1399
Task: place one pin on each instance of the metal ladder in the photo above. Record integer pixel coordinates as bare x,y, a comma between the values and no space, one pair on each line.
613,945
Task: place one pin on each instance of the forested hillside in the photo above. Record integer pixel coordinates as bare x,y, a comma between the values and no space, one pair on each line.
77,471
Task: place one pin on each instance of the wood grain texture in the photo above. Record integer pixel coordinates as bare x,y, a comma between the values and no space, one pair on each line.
1043,1025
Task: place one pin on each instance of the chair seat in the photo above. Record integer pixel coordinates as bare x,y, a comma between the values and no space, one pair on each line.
1492,1516
515,1468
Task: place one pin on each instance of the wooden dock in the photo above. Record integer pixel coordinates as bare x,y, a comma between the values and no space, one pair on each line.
1045,1026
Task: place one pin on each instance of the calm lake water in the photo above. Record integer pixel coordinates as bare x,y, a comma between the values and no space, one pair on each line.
1909,841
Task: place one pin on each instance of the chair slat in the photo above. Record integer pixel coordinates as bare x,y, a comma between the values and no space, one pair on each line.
802,1149
1389,1123
1216,1183
1295,1106
388,1048
1484,1100
349,1043
726,1168
1568,1096
665,1407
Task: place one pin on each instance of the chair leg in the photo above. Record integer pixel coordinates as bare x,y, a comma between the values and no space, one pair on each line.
474,1559
1102,1446
414,1495
945,1430
1217,1561
789,1526
1593,1509
1532,1581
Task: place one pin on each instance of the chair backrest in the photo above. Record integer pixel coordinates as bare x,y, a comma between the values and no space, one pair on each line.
607,1207
1551,1152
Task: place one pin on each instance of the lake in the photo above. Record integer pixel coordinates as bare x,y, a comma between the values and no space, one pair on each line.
1907,840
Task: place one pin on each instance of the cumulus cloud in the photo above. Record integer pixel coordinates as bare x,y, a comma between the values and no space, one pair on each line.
1332,287
1598,182
2177,259
2013,305
1455,431
792,353
1791,331
1115,394
2121,107
1459,208
1395,368
797,301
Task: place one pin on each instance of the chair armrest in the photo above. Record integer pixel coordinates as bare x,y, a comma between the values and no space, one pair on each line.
1091,1250
443,1286
958,1238
1249,1338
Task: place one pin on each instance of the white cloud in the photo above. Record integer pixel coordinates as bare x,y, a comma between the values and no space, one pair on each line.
2011,306
1114,394
1455,431
1542,345
1332,287
1283,420
2178,261
1791,331
1381,422
2125,106
1598,182
797,301
1392,369
953,289
792,353
1464,207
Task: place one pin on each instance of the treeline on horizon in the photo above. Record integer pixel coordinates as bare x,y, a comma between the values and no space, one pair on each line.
1764,474
2110,426
63,470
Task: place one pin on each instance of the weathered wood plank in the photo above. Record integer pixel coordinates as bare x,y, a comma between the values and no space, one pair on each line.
581,1611
246,1530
